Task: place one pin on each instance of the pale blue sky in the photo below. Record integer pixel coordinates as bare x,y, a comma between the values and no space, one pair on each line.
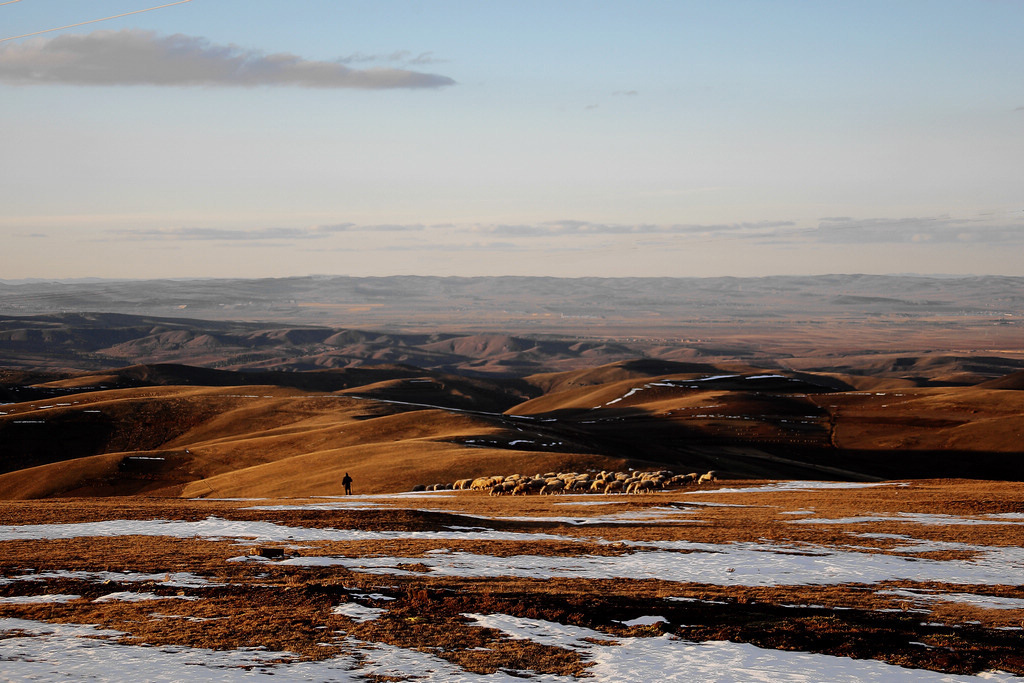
533,138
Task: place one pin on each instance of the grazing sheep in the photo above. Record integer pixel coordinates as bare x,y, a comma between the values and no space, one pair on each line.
553,486
462,484
657,480
640,486
481,483
502,489
613,486
646,485
419,487
707,478
528,486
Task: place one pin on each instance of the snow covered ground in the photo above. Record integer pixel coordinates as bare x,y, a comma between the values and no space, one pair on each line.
734,564
727,564
34,650
60,652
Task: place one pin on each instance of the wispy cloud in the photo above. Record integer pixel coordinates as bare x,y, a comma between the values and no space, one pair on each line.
1002,229
925,230
218,234
186,234
574,227
382,227
438,247
136,57
397,57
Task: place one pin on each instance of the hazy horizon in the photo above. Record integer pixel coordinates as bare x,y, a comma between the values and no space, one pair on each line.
73,280
580,139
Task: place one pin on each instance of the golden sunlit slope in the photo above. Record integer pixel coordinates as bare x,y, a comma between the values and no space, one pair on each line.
552,382
1014,381
741,421
643,390
385,468
393,433
948,418
89,476
156,440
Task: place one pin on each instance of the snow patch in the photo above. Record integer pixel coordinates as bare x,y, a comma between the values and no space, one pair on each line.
357,612
667,658
38,599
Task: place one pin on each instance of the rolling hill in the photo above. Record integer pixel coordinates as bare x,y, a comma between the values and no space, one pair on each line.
172,430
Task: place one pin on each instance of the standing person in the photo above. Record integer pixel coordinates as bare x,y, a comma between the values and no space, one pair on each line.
347,483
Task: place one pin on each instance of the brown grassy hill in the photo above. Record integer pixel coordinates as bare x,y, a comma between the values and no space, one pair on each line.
386,468
586,390
1014,381
157,440
925,369
867,383
894,432
946,419
402,427
400,381
96,475
80,425
644,367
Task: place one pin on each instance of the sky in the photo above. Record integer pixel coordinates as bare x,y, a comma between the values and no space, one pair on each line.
259,138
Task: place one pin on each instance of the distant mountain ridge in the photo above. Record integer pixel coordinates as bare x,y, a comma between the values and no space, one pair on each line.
913,327
75,342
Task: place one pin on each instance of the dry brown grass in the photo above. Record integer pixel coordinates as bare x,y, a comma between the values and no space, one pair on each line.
289,608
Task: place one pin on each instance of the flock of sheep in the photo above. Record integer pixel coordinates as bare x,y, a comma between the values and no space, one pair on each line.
563,482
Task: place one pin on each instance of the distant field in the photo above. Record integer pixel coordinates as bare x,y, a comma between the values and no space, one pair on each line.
762,313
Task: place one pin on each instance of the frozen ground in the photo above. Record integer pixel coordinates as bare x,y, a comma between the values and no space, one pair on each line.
36,650
726,564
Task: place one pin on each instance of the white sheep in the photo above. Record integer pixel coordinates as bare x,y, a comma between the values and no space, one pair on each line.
613,486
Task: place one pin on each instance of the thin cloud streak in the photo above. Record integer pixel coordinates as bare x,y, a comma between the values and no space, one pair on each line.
180,234
399,56
438,247
926,230
217,234
572,227
828,231
137,57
